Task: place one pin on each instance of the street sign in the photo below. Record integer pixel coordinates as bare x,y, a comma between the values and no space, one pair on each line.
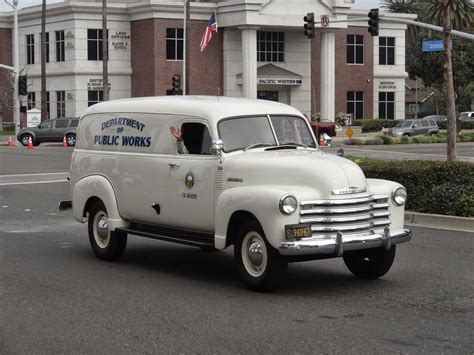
349,132
434,45
325,20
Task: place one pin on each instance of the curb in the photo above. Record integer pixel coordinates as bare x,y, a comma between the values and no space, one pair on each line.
437,221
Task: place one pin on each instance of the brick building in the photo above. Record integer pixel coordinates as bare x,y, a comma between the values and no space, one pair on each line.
259,51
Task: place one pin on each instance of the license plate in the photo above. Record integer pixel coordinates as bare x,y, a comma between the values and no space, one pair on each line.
297,231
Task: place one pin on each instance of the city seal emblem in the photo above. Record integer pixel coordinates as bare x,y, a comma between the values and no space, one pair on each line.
189,180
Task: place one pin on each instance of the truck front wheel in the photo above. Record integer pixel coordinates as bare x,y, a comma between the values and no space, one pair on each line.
370,263
107,245
260,266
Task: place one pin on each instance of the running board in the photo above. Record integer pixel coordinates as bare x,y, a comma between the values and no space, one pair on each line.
179,236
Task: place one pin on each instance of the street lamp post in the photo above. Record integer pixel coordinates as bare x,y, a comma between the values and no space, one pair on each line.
16,100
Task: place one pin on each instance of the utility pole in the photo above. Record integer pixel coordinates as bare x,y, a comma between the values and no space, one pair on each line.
43,62
449,81
16,67
105,52
186,48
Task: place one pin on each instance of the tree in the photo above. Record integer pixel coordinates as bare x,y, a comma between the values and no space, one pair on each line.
44,106
105,52
407,7
461,14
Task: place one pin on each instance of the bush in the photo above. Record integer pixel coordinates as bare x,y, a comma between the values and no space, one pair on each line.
374,125
374,141
433,186
464,124
8,127
404,139
354,141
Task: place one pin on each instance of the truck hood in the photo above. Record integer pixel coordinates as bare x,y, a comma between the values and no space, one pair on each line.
312,169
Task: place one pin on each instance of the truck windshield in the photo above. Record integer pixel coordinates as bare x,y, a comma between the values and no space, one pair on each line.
257,131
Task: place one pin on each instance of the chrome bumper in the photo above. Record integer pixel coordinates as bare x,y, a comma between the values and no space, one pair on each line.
344,242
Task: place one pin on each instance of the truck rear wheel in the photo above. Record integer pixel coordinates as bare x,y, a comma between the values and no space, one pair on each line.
106,244
370,263
260,266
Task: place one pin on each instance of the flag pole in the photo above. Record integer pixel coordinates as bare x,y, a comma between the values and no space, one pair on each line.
184,45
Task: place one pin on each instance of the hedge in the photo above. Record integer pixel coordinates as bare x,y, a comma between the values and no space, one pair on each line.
464,124
433,186
420,139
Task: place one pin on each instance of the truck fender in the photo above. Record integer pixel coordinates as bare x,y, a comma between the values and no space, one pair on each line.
96,186
262,203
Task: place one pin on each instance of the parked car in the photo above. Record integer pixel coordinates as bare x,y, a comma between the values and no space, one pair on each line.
323,126
53,130
414,127
466,116
251,176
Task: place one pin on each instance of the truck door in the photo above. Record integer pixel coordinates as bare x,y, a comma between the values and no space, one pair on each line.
190,192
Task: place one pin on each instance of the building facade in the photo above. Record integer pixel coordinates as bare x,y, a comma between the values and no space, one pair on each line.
259,51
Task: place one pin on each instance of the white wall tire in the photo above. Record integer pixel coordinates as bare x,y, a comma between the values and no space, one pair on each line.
106,244
260,266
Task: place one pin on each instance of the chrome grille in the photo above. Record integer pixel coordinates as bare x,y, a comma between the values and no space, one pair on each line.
352,216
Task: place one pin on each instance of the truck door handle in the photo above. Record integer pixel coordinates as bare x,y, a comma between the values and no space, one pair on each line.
173,165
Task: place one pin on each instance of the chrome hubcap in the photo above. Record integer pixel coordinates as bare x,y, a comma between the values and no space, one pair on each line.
101,229
71,140
254,254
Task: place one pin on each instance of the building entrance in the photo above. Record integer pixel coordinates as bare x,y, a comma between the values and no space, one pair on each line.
267,95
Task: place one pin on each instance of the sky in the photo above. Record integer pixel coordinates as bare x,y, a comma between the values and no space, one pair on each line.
358,4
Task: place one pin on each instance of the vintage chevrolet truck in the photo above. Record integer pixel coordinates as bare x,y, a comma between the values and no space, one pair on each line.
250,175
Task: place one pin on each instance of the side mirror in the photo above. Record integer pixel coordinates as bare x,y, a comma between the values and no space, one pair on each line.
217,147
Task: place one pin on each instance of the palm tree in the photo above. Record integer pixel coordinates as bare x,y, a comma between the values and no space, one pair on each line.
461,14
408,7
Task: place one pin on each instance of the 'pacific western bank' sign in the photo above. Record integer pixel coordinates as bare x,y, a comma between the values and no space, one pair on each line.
277,81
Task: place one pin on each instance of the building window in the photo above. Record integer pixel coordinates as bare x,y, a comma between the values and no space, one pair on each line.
31,100
30,49
94,44
174,43
355,49
270,46
60,46
355,104
47,46
94,97
387,105
386,50
60,103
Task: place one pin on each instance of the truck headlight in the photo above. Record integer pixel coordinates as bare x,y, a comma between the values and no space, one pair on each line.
399,195
288,204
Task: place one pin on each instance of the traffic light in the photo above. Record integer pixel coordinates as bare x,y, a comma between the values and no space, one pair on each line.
373,22
309,25
22,85
176,83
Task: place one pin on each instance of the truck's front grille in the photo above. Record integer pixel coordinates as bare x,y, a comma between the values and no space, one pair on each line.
352,216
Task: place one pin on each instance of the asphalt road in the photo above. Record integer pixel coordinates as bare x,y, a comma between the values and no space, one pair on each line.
56,297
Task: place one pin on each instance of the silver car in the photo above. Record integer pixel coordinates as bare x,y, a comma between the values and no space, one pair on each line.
51,131
414,127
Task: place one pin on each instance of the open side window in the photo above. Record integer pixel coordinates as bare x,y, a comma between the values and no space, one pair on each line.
196,138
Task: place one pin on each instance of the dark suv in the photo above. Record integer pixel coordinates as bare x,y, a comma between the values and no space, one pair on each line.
51,131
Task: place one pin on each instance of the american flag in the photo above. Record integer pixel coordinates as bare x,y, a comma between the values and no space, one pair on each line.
211,27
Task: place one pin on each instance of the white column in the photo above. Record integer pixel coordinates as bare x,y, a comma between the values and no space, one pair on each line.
249,62
328,75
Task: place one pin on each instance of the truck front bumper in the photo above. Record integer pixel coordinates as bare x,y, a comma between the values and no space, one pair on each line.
344,242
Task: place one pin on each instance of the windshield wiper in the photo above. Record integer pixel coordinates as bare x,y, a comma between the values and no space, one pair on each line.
256,145
293,143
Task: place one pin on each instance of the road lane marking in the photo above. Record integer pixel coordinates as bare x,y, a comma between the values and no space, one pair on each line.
27,179
31,182
34,174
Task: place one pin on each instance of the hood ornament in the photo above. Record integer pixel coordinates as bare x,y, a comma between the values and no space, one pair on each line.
349,190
